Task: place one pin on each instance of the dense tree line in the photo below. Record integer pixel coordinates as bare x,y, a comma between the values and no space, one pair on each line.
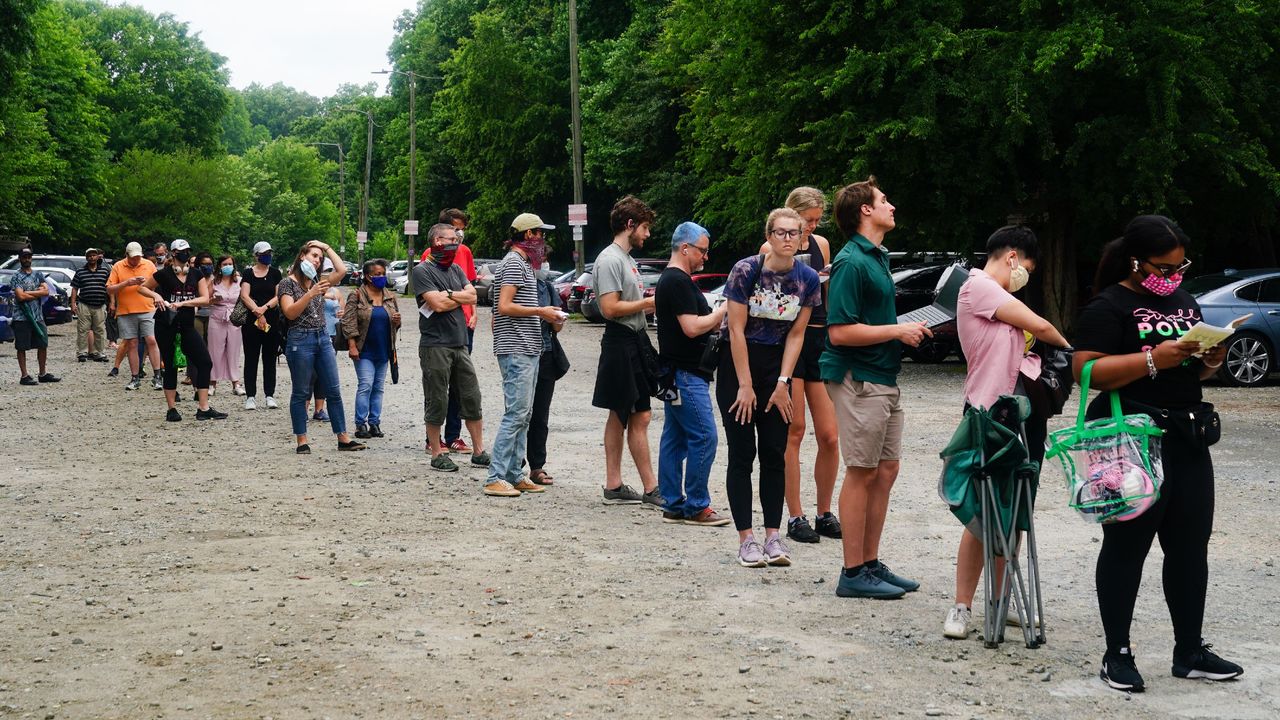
118,124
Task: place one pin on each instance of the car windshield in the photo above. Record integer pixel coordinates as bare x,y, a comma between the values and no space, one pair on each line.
1205,283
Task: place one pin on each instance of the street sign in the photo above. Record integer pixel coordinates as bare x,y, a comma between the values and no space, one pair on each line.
577,215
411,227
361,238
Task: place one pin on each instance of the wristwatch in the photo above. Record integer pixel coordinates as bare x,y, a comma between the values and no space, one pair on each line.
785,379
448,294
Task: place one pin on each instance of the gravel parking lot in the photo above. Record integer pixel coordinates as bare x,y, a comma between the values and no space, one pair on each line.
203,570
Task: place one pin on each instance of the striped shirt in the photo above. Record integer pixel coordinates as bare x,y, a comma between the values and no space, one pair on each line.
91,285
516,335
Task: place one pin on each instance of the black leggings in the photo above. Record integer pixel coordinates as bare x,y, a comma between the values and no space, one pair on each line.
1183,519
767,427
198,361
266,345
539,421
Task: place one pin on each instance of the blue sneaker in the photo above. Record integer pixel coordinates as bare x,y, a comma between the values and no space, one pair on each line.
866,585
883,572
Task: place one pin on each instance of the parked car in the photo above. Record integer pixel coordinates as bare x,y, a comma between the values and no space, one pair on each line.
57,306
397,270
564,285
65,262
1225,296
401,284
484,279
648,277
578,291
915,286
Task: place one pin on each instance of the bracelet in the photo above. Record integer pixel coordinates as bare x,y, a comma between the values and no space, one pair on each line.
1212,366
1151,366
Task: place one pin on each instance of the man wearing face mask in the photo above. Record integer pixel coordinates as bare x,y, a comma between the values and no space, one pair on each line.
517,341
442,290
991,323
464,259
89,304
30,287
161,253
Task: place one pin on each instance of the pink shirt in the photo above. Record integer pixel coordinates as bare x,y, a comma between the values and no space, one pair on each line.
995,350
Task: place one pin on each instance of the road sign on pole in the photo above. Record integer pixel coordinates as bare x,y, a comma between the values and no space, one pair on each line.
362,237
411,227
577,215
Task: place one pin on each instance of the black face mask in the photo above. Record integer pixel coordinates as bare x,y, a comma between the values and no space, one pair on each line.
182,256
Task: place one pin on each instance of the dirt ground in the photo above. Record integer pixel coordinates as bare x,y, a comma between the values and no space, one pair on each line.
154,570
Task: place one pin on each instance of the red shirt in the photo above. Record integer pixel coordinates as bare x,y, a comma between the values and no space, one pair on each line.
465,260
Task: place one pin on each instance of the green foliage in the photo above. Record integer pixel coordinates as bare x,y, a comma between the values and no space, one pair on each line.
294,196
238,132
278,106
17,37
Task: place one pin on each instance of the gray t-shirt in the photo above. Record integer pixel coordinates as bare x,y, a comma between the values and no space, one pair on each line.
616,271
442,329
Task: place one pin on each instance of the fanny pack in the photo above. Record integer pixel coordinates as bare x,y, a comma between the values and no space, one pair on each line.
1199,424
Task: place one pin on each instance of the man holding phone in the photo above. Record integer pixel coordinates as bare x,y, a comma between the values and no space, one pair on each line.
135,310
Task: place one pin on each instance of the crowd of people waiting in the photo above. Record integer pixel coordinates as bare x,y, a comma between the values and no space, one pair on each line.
798,329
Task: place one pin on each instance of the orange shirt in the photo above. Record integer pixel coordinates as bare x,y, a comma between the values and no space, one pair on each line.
128,299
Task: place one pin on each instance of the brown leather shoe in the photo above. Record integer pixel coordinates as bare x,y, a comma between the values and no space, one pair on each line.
530,487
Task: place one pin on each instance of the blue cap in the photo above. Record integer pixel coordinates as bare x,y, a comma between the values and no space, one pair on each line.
688,233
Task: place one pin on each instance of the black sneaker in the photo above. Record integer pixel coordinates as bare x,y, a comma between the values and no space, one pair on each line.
1203,663
1121,672
210,414
827,525
81,357
115,372
48,378
28,380
672,517
798,529
362,431
173,416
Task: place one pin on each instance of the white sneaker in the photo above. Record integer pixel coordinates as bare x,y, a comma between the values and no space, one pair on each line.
957,623
250,404
212,391
1011,619
271,403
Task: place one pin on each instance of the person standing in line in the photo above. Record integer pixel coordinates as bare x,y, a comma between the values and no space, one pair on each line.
308,349
135,313
30,287
204,264
1132,329
89,299
991,323
808,389
224,338
465,260
333,311
180,288
860,367
552,365
261,335
159,254
626,373
370,323
442,290
770,298
685,326
517,343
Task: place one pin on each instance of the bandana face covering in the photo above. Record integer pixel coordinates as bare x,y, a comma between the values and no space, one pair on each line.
443,256
1162,286
535,250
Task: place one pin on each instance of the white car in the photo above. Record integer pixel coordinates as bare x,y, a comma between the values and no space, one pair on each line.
402,283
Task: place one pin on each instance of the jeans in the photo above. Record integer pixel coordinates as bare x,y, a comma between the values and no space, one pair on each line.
519,380
453,417
311,362
371,376
688,447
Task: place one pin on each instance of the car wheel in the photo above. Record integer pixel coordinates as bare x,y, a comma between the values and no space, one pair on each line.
1248,360
931,351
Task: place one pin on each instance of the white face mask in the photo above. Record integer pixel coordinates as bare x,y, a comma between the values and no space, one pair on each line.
1018,277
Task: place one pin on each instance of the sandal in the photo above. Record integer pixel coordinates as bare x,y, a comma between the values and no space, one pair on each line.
540,477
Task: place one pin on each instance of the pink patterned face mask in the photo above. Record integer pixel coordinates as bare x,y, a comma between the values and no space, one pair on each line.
1161,285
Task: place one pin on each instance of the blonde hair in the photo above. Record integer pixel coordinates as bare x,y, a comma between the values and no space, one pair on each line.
777,214
805,197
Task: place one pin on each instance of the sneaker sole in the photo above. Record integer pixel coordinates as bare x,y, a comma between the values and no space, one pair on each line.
1202,675
1120,686
782,561
610,501
676,521
954,635
867,596
500,493
746,564
698,523
446,470
793,538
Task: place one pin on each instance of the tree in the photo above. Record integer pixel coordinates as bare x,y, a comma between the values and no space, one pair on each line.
238,132
294,196
277,107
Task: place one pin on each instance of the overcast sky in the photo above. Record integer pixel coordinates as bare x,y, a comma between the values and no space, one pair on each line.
312,45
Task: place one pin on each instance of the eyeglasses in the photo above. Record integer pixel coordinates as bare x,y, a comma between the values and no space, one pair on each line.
704,250
1170,270
780,233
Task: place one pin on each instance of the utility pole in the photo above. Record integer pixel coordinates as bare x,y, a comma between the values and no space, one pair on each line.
579,246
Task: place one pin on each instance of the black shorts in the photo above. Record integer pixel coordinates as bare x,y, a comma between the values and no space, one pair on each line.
25,337
815,341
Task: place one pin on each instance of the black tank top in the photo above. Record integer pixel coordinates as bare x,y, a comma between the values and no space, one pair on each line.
816,261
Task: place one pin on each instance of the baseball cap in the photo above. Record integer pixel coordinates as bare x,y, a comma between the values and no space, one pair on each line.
529,221
180,244
133,249
25,251
261,247
92,251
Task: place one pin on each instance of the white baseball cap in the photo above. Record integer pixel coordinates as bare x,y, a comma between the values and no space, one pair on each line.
180,244
133,249
262,247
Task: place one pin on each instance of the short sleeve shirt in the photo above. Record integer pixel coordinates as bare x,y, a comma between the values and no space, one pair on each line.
442,329
516,335
995,350
28,282
312,318
616,271
128,299
91,284
677,295
861,292
773,299
1119,321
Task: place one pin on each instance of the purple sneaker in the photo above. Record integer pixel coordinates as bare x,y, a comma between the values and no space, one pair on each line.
751,555
775,552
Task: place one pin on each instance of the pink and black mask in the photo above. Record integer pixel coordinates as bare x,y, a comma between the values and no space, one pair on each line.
444,255
535,248
1158,284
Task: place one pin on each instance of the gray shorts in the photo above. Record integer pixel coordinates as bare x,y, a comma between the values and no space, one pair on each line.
136,325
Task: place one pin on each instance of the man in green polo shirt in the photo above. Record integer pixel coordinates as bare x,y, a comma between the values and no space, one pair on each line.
860,368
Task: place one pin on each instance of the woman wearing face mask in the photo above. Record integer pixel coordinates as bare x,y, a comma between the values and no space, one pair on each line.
308,348
203,263
991,323
333,310
370,322
260,334
1131,328
224,338
179,289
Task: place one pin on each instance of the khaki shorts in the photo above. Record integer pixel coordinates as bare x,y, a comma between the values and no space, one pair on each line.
444,368
870,419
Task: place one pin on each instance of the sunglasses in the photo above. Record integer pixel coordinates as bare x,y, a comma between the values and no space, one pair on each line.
1169,271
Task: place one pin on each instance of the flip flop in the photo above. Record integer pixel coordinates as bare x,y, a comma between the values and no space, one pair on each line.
540,477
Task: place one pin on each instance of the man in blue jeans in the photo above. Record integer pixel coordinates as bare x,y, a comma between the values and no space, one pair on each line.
685,326
517,341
